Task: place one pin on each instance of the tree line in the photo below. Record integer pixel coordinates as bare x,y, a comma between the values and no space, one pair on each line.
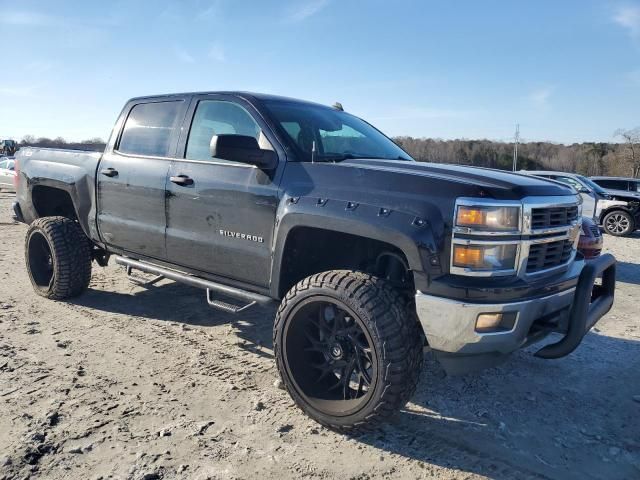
591,158
94,144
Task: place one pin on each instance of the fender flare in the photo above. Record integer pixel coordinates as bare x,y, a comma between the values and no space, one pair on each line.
72,180
415,236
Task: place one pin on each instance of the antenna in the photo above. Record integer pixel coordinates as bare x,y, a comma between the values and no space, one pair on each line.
313,152
515,147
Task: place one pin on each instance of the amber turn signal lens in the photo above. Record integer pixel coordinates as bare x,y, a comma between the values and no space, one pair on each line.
470,216
465,256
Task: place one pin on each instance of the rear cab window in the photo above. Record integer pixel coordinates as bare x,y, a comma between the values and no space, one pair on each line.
150,129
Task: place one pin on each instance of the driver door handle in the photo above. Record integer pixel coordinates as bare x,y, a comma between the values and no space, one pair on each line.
182,180
109,172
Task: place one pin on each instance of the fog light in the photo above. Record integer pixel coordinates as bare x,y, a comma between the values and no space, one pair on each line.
495,322
488,321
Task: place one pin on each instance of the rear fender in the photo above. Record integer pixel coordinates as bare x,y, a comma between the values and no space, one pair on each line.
75,180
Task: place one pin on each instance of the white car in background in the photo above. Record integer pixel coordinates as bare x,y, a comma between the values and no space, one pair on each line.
618,217
7,173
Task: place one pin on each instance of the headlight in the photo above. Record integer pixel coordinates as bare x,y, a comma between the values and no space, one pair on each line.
488,218
485,257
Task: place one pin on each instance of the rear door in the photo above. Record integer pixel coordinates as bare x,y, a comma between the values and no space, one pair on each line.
221,220
132,177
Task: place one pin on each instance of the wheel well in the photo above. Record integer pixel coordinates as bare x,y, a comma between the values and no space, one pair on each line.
311,250
615,209
50,201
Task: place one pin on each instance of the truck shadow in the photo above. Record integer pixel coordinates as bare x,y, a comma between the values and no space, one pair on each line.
174,302
506,422
628,272
512,422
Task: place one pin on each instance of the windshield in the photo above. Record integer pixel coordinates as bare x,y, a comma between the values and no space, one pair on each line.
336,135
594,186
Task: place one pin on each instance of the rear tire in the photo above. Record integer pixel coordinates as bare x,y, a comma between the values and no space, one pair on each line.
348,349
58,257
618,223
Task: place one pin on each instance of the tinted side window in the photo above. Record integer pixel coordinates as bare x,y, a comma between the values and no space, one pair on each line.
149,129
214,117
613,184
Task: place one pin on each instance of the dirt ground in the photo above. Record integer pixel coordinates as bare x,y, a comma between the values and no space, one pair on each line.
128,382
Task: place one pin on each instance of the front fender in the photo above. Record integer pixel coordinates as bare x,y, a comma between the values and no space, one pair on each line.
612,205
416,237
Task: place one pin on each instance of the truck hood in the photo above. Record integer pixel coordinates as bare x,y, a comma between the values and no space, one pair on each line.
494,183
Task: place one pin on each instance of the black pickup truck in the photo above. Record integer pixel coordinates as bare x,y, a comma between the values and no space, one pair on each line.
371,255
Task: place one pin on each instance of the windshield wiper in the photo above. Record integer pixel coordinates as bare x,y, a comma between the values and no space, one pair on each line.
339,157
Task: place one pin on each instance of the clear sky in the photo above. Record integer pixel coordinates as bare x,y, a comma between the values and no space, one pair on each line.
565,70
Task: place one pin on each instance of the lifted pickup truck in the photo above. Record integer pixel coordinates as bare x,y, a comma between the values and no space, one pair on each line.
372,255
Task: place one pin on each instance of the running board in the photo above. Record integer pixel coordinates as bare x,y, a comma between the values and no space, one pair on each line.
250,298
138,280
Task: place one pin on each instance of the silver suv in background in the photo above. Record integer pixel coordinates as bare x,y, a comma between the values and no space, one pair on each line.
618,214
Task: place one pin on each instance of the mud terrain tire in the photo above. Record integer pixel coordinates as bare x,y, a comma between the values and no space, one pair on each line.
58,257
384,320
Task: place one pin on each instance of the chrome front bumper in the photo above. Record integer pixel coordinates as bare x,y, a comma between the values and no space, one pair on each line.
449,325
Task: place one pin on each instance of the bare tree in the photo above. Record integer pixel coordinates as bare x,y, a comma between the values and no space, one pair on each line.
631,152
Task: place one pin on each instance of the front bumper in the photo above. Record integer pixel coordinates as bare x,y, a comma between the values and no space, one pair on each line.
449,325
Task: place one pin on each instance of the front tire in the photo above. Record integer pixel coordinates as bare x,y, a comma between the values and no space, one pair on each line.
348,349
58,257
618,223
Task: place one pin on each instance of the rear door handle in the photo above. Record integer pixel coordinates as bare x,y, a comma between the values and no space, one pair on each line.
182,180
109,172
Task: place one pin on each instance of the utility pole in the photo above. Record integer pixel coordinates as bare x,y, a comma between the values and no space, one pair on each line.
515,147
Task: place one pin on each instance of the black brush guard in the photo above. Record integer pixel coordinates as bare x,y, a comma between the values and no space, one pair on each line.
590,303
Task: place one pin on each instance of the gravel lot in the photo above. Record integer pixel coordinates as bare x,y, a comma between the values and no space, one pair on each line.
127,382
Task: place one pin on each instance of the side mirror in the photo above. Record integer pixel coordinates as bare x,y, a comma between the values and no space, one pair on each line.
242,148
584,190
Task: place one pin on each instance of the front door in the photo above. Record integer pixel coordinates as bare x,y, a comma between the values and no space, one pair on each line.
132,178
221,213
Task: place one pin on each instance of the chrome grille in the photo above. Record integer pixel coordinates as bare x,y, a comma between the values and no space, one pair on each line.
543,256
553,216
